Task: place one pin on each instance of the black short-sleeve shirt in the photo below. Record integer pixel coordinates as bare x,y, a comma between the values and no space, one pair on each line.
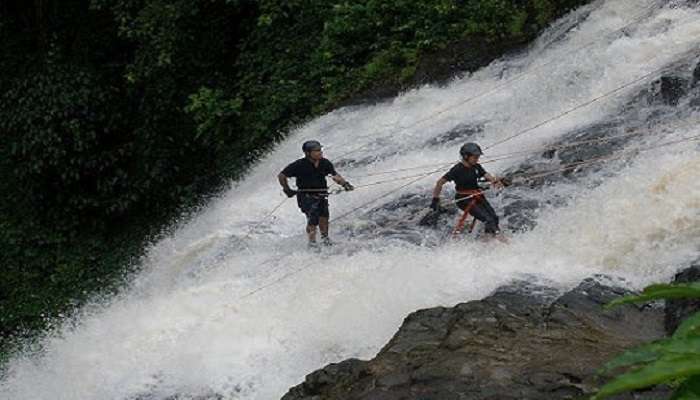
465,178
309,176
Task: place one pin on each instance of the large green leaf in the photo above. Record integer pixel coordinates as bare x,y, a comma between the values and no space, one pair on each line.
652,351
639,355
661,291
660,371
689,390
682,345
689,328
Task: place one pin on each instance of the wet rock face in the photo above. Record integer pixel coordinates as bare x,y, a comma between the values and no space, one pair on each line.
520,214
668,90
523,342
573,161
597,153
695,104
678,310
604,141
208,396
350,370
595,142
460,133
400,219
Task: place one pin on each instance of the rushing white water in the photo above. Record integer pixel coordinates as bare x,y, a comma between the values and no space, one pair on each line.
189,327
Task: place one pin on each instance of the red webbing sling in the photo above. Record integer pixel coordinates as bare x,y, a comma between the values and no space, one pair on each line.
476,197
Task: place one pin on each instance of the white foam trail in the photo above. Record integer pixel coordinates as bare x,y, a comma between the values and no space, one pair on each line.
187,328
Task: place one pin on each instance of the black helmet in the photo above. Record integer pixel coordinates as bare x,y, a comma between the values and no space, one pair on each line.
310,145
470,149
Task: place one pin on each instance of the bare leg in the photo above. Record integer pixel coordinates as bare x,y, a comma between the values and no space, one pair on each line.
311,232
323,226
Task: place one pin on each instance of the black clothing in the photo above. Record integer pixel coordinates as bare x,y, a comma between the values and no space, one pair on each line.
465,178
482,211
314,206
309,176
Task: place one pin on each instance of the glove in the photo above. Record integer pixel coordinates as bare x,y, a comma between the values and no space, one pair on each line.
435,204
289,192
348,187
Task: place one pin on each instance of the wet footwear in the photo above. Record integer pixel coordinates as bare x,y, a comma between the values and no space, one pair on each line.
326,242
313,245
497,237
502,239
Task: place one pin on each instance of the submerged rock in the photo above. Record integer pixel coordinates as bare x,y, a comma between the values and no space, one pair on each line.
462,132
668,90
524,341
696,75
520,214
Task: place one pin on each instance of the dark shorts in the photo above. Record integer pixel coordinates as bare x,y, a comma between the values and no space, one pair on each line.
482,211
314,206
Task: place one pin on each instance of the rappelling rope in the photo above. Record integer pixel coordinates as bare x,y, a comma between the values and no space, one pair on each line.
310,265
567,112
524,177
519,178
509,155
363,205
262,221
587,103
422,176
639,17
514,177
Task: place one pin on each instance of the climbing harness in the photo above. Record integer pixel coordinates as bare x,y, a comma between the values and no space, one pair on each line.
475,196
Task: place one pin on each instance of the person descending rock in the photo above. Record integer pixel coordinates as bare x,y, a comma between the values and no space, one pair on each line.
469,196
312,191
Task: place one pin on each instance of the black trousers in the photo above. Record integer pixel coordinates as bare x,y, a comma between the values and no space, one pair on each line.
482,211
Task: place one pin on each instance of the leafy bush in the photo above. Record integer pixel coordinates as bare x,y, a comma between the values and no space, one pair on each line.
675,360
64,144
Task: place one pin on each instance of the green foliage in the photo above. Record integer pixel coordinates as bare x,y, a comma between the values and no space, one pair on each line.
662,291
210,109
689,390
63,143
689,328
377,41
664,361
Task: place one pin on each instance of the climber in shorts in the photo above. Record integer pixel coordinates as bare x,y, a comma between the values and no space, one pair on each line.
312,190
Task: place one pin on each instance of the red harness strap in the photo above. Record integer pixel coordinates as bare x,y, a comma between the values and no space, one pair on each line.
476,196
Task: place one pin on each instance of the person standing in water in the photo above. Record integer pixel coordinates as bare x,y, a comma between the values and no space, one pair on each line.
312,190
469,196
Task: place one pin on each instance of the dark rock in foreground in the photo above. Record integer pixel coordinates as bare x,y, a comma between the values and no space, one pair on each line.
522,342
678,310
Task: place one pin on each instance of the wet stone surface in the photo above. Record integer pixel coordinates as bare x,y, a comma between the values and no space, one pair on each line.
524,341
460,133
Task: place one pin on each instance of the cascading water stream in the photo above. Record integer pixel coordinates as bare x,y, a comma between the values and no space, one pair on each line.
196,323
